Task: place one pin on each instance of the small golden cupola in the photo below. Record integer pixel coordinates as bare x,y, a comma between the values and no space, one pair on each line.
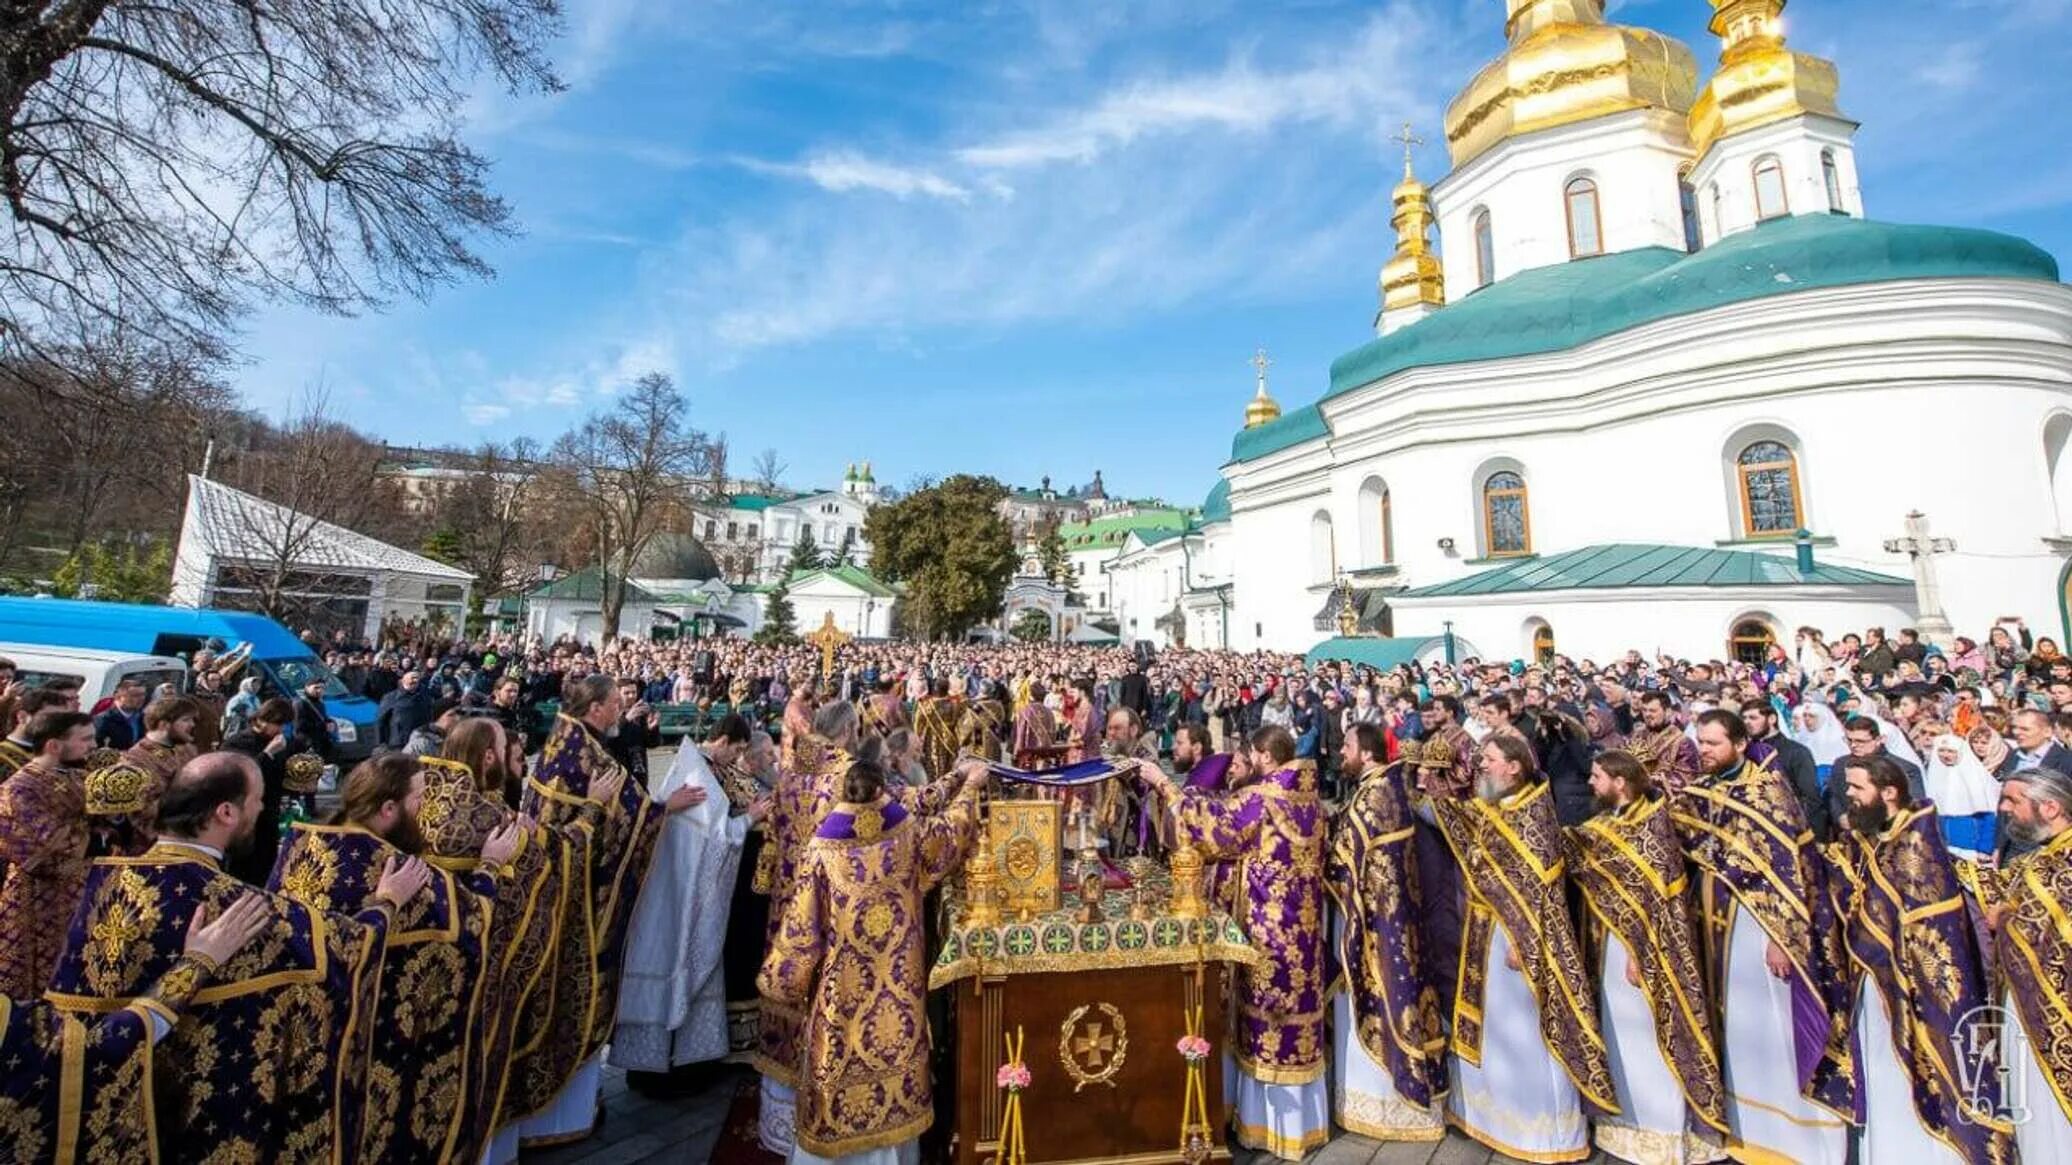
1263,407
1759,80
1565,65
1412,282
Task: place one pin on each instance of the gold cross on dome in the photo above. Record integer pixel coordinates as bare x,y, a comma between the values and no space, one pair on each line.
1094,1046
1410,141
1260,364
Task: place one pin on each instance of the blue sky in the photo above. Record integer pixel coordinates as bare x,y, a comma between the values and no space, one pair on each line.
1022,237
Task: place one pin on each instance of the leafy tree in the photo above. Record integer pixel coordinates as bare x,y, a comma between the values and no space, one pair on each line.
846,556
1057,564
949,545
805,553
130,574
1031,626
779,623
443,545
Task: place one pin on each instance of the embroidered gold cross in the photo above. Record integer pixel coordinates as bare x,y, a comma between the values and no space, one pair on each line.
1093,1047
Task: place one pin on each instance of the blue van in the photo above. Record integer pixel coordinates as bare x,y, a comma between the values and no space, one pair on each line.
286,663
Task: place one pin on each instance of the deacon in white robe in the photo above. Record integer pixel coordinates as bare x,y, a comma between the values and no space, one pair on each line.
672,995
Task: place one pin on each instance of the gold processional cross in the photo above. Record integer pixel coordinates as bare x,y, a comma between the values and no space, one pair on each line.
828,639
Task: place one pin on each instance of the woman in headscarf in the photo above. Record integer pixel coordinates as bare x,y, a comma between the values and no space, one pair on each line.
1816,727
2005,654
1966,797
2041,659
1988,745
237,714
1967,655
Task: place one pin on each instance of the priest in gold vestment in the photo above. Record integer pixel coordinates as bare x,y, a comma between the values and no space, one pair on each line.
43,849
2033,931
271,1062
848,954
430,1025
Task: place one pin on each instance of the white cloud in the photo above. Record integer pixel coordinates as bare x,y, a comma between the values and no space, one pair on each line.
485,414
842,171
1955,69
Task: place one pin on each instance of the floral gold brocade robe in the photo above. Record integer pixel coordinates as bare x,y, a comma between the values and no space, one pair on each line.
2035,942
1273,829
621,850
428,1023
43,843
1372,875
1513,866
270,1060
1910,937
803,797
1629,866
849,952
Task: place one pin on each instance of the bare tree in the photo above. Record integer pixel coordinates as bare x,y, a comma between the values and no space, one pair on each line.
279,558
496,517
768,472
165,165
629,473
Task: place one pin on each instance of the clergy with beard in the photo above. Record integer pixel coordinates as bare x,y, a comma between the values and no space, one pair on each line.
1916,977
1386,1038
1774,954
43,849
429,1021
1441,715
167,743
672,995
1195,759
533,1044
1657,742
982,730
573,760
1528,1053
1628,867
1271,831
2034,942
56,1061
271,1063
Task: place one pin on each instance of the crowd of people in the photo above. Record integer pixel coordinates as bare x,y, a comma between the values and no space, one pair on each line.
1669,907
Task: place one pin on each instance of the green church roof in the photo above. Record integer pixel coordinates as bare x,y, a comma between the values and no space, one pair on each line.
587,586
1111,531
1216,507
1549,309
1624,564
855,576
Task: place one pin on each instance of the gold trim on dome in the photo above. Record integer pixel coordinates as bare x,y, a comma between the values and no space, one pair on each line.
1759,80
1565,65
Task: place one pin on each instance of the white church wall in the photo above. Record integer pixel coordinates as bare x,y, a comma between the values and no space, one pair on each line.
1724,179
1875,387
1685,622
1632,157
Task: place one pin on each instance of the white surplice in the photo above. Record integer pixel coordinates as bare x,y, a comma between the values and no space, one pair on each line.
1892,1129
1519,1100
672,995
1364,1099
1288,1121
1771,1120
1652,1127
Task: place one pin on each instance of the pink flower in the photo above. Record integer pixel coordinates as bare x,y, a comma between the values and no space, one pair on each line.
1014,1077
1194,1048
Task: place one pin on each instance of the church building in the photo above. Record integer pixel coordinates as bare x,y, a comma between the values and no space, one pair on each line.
1660,385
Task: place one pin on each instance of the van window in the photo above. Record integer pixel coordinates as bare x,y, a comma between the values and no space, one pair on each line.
31,678
290,674
156,676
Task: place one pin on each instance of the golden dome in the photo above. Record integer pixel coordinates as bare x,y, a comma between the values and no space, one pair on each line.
1412,275
1263,407
1759,80
1565,64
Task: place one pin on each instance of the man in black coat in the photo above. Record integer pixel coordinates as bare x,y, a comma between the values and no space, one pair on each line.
265,740
2035,747
403,712
313,721
122,723
1795,761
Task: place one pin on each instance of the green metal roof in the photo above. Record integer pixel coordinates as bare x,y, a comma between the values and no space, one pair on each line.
1112,531
855,576
1628,564
1216,507
1548,309
1377,653
756,501
587,586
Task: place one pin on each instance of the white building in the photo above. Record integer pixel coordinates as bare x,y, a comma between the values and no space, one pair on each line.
236,550
860,603
573,606
753,534
1662,328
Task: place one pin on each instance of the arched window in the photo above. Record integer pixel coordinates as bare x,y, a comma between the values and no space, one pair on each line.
1543,644
1769,490
1751,641
1832,177
1687,201
1769,188
1584,237
1323,549
1506,525
1377,533
1485,250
